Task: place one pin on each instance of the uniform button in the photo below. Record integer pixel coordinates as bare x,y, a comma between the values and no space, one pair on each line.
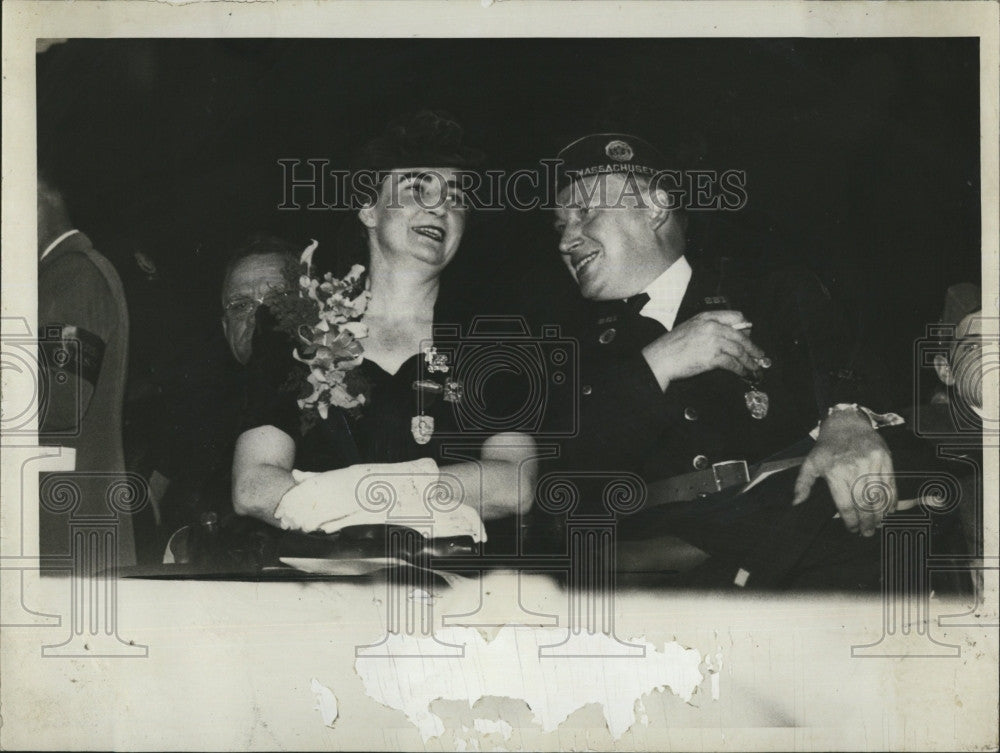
607,336
690,414
586,389
700,462
209,521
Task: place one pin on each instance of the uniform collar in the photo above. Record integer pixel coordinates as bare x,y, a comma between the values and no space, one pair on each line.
56,242
666,293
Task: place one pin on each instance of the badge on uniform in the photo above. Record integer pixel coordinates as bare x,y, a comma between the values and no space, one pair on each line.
757,401
619,150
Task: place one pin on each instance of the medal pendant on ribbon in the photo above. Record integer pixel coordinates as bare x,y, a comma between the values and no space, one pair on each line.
422,428
757,402
436,361
453,391
427,385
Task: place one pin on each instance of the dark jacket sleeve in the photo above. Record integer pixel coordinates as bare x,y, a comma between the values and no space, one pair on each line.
73,293
804,304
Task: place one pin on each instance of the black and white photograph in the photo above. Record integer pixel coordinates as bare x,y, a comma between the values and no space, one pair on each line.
500,376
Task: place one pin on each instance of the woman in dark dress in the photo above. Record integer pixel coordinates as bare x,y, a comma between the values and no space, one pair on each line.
345,469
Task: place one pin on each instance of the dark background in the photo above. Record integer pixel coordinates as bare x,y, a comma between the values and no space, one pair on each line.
862,157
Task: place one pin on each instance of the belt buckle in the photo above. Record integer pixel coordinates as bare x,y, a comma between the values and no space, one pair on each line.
729,473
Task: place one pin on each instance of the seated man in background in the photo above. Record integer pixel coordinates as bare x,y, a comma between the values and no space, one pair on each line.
949,427
957,405
83,328
204,396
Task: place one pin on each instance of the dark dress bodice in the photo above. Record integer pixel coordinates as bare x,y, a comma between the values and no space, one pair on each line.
377,432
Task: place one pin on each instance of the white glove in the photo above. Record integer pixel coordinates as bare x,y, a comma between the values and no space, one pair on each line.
378,494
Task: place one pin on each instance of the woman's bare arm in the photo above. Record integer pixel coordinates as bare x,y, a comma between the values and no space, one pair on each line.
501,483
262,472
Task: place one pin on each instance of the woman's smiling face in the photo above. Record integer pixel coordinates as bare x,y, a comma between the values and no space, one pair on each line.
420,214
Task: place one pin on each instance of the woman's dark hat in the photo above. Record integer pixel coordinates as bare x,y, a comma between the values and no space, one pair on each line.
428,138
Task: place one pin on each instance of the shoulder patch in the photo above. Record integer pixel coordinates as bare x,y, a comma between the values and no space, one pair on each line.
73,350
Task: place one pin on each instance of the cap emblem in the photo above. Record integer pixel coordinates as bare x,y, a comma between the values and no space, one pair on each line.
619,150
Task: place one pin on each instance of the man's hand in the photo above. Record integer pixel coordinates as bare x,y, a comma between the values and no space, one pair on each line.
847,449
710,340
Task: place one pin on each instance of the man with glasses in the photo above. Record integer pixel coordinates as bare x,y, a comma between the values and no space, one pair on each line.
205,399
255,274
954,421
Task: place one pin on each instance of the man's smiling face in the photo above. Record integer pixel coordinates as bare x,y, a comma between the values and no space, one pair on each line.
607,237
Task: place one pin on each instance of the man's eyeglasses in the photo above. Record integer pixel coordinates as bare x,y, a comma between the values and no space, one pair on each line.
244,307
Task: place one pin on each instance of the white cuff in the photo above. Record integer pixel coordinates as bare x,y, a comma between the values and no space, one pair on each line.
877,420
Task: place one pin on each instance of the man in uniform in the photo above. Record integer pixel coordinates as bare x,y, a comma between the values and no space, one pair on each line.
84,350
692,378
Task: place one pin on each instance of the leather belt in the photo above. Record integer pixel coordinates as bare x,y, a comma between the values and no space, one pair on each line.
721,476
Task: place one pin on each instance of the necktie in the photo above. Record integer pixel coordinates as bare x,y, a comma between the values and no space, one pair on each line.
635,304
641,329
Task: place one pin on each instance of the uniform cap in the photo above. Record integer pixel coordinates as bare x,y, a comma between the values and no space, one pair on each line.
608,153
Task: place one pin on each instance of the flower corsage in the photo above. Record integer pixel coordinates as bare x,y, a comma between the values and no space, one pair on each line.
324,321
